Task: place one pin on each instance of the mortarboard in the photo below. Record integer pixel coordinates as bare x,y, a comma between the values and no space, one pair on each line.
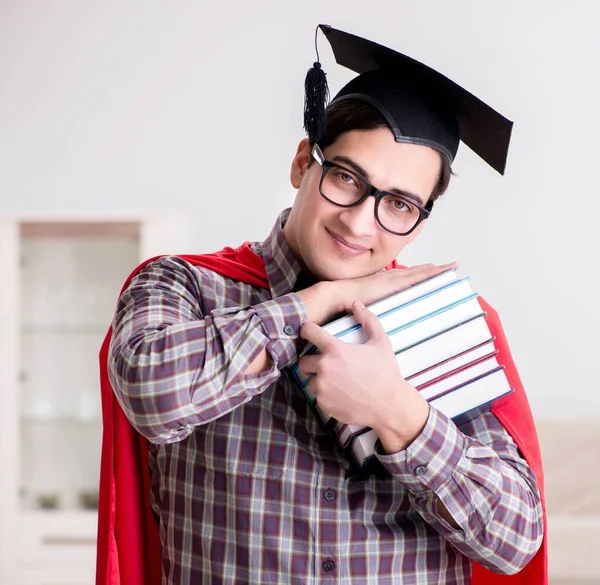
420,105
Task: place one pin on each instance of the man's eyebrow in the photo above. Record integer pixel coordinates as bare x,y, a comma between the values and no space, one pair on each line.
356,167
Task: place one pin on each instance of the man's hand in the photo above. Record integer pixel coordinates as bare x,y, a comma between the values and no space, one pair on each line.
361,383
326,299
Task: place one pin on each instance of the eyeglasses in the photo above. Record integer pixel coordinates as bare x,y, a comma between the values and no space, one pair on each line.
397,214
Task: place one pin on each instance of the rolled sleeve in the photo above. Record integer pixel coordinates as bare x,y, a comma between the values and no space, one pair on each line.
174,366
478,475
281,320
430,459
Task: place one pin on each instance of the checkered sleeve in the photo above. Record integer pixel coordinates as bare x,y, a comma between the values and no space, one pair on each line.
173,367
476,471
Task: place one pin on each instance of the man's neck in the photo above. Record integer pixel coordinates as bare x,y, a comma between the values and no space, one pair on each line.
305,279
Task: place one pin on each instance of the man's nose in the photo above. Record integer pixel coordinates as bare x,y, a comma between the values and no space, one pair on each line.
360,220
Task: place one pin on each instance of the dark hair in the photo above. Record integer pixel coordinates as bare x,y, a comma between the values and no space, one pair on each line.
348,115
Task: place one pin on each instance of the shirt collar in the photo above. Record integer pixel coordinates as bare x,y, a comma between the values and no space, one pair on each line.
281,265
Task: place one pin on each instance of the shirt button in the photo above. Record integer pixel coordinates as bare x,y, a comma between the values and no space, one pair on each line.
420,469
288,330
329,495
328,565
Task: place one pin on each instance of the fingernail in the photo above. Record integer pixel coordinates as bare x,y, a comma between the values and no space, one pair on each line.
359,305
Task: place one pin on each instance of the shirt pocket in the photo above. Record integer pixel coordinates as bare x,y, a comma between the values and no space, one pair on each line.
247,443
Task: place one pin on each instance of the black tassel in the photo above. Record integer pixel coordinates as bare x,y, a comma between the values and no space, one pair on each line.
316,96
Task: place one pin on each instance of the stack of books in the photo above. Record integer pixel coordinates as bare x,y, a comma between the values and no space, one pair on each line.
443,347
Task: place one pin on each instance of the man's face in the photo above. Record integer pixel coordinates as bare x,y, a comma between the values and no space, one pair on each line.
335,242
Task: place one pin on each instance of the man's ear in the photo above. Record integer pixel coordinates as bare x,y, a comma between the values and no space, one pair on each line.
300,163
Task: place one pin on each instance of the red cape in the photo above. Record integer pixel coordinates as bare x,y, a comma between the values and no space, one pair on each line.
128,547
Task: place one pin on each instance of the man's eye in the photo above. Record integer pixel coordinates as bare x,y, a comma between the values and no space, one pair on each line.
397,205
346,178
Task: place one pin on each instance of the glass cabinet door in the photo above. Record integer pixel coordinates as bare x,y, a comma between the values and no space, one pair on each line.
71,275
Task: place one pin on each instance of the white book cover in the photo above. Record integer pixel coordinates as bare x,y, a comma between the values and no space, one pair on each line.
402,297
444,318
447,366
471,396
442,346
448,320
431,391
346,432
405,314
363,447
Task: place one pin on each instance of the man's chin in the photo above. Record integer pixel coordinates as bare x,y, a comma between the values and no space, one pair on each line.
340,271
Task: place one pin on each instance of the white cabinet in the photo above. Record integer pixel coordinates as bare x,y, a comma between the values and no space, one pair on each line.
59,281
57,548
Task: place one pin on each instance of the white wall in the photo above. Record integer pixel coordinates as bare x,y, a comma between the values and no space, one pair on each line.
125,105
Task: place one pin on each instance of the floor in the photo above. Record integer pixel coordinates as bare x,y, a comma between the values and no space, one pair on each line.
574,582
571,457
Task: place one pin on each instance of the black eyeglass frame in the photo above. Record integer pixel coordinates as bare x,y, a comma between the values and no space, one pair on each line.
424,212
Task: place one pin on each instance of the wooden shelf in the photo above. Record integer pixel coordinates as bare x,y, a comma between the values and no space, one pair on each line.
65,329
79,229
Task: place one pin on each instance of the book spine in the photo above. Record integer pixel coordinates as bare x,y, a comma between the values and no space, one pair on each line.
418,307
405,336
464,382
403,297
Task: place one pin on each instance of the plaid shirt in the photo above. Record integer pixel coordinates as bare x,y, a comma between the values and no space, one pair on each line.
248,487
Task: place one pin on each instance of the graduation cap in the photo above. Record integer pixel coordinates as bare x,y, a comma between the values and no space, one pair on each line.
420,105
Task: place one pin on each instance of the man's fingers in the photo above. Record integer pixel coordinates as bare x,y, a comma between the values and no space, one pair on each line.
369,321
317,336
416,274
309,363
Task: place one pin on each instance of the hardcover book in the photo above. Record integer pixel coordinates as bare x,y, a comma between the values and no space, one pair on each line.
443,348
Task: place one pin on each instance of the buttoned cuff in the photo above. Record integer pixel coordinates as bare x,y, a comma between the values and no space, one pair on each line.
430,459
281,320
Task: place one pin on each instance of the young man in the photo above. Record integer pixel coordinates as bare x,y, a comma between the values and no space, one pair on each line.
245,484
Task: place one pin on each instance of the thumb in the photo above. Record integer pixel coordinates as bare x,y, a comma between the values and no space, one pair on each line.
369,321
